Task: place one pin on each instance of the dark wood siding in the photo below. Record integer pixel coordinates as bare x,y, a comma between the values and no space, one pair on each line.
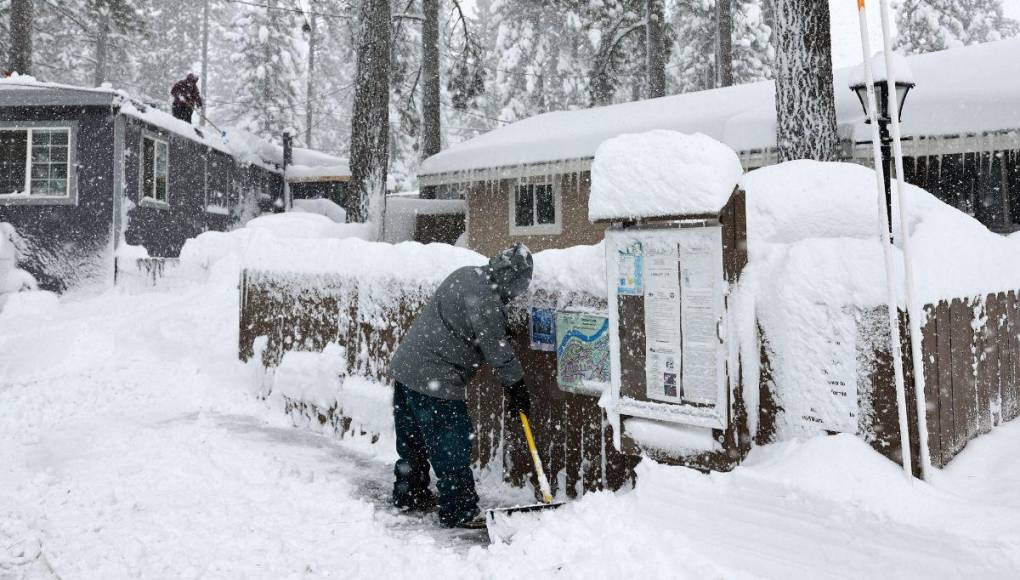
69,245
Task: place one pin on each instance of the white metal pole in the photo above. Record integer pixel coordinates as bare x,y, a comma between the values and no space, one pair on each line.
892,302
913,307
205,63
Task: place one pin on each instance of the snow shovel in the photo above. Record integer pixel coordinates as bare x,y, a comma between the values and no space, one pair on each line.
497,520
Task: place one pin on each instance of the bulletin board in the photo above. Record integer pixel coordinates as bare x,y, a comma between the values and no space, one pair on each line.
667,307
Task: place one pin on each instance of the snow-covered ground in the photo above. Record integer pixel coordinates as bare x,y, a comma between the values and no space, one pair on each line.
132,446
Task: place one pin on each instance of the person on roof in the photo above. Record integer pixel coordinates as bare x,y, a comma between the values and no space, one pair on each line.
463,326
186,97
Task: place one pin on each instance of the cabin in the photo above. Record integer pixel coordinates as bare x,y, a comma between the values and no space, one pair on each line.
530,181
86,171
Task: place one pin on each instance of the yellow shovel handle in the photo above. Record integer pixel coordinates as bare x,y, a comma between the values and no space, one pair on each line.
543,483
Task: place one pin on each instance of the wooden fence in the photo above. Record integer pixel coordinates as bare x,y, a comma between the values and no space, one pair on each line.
971,368
308,312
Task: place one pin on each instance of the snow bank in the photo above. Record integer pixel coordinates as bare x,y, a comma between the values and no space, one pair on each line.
322,207
661,173
303,225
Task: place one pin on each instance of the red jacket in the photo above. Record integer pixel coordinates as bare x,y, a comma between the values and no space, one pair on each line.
186,91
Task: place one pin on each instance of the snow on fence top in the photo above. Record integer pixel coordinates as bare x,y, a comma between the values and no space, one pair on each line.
659,174
21,90
974,89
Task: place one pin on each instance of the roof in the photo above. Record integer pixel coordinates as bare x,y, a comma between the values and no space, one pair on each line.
246,147
975,90
309,165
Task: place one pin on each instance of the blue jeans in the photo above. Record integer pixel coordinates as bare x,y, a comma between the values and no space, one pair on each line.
436,431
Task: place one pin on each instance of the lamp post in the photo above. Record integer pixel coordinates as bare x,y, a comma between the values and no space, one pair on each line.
882,94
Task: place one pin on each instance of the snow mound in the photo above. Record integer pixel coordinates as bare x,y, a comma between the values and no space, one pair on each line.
574,269
661,173
311,377
322,207
32,304
808,201
303,224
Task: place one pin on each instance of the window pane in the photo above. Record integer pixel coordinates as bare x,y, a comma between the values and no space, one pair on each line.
545,204
40,187
40,171
160,188
40,138
58,187
58,171
13,150
524,205
58,153
148,166
58,137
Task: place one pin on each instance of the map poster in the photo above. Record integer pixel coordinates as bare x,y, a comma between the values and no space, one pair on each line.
582,352
542,328
663,344
630,270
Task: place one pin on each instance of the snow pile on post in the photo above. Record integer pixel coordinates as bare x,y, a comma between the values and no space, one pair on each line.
900,66
661,173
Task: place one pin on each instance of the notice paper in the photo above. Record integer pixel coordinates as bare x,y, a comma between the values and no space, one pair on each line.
663,332
699,325
630,270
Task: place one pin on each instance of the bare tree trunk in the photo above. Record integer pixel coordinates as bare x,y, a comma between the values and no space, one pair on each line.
655,62
370,124
205,60
310,95
431,128
102,47
805,104
724,49
20,58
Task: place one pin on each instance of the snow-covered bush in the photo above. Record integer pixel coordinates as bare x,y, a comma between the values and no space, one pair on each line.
12,278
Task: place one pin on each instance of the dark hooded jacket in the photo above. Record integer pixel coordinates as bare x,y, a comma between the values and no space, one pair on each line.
464,326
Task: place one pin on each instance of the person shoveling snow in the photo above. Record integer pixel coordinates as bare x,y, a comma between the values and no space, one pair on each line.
463,326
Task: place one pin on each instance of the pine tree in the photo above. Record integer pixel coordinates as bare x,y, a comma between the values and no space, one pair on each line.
805,103
20,59
268,67
370,127
929,25
694,55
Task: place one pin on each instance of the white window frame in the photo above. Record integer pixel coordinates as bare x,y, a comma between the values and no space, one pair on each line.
70,195
552,229
148,198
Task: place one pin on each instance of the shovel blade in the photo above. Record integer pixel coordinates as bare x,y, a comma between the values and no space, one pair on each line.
499,521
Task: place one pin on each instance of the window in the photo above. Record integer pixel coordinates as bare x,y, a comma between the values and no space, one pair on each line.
155,168
535,209
35,162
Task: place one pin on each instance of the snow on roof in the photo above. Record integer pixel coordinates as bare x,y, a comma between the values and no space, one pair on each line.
974,89
311,165
21,90
661,173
